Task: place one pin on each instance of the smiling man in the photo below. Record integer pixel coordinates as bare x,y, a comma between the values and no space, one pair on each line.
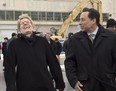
91,63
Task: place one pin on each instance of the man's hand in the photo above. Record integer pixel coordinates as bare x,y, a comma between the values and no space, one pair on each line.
78,86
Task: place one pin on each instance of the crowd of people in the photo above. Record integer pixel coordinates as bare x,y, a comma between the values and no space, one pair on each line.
32,63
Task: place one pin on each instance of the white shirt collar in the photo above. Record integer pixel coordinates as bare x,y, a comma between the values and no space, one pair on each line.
94,32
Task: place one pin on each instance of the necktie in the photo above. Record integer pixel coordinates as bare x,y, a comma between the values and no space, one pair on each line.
91,37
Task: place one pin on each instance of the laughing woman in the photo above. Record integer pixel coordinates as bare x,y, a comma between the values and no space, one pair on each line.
28,59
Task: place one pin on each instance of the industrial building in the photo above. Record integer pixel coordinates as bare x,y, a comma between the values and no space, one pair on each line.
47,14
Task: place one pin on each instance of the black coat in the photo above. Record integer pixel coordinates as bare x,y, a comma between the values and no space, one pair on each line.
4,51
58,48
98,61
31,62
4,48
65,46
53,45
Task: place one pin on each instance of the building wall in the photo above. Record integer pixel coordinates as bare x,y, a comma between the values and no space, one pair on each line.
40,5
7,27
52,5
6,31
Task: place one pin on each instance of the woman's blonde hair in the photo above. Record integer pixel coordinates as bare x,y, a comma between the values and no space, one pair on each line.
22,17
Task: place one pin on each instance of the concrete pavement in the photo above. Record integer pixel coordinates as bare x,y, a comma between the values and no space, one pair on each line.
2,83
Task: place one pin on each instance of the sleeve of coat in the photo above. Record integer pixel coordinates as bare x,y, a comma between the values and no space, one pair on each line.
10,69
54,67
70,64
65,46
114,57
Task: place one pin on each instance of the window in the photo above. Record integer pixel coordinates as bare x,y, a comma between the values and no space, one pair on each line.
57,16
42,16
2,15
105,16
9,15
34,15
49,15
65,15
17,14
26,12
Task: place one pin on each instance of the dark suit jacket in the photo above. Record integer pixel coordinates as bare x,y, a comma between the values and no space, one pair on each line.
97,61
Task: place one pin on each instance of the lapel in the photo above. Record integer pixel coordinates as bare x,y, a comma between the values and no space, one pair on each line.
101,34
83,38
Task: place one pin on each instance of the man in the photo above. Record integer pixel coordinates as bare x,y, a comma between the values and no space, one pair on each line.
14,36
28,59
4,50
111,25
91,63
58,48
50,41
66,43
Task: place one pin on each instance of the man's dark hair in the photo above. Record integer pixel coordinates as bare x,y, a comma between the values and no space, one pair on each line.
93,14
111,23
14,34
70,34
6,38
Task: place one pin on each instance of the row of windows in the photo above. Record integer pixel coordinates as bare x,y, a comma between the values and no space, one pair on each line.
40,16
54,0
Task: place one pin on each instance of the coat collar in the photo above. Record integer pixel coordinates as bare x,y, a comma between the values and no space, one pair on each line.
83,37
29,40
101,34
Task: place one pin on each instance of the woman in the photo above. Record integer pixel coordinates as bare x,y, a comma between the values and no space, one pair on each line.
31,55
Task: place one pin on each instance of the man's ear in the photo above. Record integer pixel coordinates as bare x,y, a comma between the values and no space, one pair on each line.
94,20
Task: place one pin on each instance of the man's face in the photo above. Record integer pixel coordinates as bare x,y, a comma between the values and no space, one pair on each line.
26,26
48,36
86,23
5,40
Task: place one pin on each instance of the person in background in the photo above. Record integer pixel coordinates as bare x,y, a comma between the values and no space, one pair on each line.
91,59
50,41
111,25
28,59
14,36
58,48
0,49
4,50
66,43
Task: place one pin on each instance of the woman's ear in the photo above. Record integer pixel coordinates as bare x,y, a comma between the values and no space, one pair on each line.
34,28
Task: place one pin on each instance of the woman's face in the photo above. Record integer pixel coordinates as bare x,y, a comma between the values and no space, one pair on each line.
26,27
